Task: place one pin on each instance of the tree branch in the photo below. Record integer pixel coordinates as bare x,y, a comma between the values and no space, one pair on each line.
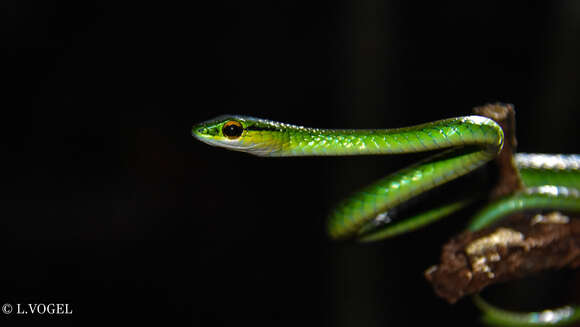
524,243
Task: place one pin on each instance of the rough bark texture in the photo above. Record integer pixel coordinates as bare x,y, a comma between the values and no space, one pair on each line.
544,246
508,180
473,260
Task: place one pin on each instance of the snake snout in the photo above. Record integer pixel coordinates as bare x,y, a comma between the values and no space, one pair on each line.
200,131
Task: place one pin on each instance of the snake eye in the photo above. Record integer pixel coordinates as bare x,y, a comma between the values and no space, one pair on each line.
232,129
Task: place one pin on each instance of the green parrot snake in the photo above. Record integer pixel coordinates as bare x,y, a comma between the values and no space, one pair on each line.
469,142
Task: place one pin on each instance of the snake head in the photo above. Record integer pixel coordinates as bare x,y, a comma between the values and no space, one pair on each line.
238,133
225,131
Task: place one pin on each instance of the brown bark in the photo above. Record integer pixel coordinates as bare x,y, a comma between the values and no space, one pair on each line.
523,245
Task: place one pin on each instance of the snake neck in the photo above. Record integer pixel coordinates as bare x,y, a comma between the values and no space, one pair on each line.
289,140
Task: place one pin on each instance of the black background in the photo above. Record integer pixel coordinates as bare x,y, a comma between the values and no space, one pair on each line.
111,206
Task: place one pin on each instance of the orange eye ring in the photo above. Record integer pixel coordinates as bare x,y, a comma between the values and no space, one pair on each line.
232,130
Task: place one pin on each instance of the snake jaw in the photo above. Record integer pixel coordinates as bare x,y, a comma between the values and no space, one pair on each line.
235,145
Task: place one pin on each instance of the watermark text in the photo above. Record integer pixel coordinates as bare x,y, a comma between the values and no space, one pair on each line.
37,308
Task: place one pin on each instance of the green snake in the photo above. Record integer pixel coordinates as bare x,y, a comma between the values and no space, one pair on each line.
551,181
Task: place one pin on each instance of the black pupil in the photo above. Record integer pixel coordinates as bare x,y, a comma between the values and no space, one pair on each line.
232,130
